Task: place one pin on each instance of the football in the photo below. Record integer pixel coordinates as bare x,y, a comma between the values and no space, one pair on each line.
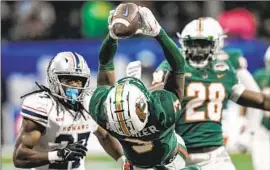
126,20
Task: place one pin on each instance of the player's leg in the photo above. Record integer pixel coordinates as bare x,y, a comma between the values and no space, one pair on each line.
260,149
217,159
179,161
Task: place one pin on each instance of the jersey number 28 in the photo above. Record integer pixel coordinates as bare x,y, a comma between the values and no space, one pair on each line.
212,97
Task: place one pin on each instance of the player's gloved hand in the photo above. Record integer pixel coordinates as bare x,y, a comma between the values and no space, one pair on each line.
134,69
72,152
150,26
112,35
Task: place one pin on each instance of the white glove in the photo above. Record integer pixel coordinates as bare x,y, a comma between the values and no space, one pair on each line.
112,35
134,69
150,26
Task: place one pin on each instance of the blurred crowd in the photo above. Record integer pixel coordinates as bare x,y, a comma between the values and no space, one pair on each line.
41,20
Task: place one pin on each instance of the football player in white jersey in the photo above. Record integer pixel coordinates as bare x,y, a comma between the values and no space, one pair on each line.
56,126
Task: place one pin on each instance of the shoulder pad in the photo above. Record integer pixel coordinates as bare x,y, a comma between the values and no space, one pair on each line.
242,62
36,107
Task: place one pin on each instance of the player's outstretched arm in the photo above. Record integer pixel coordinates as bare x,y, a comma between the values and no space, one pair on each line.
175,81
250,98
110,145
106,74
23,155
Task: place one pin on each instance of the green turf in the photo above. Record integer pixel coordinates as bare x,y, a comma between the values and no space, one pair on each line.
241,161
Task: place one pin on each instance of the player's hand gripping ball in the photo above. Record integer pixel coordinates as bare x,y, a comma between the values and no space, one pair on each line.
125,20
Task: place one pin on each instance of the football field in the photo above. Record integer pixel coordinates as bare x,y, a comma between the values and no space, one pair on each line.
241,161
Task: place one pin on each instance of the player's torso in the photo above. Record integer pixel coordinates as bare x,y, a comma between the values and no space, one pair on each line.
155,143
62,129
205,95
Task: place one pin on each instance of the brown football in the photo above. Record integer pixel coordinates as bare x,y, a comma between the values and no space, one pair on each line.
126,20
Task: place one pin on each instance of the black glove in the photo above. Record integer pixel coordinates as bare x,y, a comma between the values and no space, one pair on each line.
72,152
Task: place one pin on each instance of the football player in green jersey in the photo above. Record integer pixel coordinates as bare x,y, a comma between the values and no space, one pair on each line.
141,120
261,141
209,83
238,122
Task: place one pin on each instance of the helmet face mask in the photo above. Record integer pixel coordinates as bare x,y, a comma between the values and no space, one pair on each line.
198,51
200,41
67,80
126,107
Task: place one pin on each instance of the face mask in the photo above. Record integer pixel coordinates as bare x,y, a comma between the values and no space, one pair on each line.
73,93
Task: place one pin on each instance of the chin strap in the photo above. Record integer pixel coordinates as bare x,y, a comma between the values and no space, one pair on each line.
73,93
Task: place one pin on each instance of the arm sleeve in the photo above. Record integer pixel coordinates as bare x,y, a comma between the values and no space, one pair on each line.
96,107
106,53
91,121
172,52
35,107
253,115
247,80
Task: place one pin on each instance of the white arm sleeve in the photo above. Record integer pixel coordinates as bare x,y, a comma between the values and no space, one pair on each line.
247,80
253,115
237,91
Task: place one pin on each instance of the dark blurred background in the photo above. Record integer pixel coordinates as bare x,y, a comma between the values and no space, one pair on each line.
40,20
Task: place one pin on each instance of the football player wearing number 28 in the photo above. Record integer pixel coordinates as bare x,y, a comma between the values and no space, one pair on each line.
56,127
209,83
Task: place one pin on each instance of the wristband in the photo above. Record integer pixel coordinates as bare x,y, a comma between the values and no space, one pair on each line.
121,160
52,157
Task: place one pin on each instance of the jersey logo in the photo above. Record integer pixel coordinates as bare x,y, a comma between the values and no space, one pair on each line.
220,76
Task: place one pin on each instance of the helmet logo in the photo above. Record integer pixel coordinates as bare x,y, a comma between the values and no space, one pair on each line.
140,111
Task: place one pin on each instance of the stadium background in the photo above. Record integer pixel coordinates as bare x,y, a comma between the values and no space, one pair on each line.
33,32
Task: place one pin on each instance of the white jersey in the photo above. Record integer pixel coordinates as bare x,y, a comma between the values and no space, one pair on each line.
61,128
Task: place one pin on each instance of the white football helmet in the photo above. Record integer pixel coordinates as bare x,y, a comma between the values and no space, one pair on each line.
267,59
126,106
72,66
218,28
199,42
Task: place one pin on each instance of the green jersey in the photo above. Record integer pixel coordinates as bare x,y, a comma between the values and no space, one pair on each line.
157,141
262,77
206,92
